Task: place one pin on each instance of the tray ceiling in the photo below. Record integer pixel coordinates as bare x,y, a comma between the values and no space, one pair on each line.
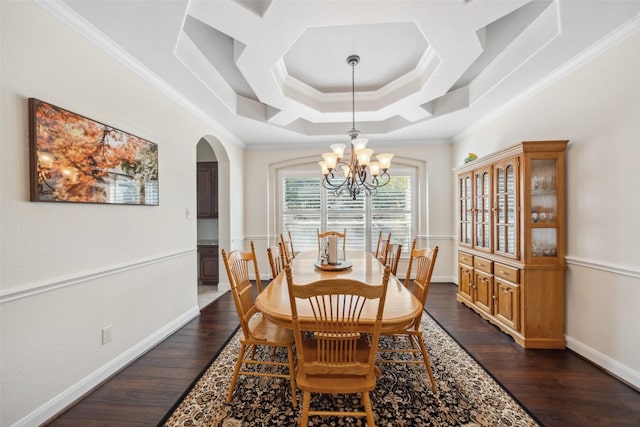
275,72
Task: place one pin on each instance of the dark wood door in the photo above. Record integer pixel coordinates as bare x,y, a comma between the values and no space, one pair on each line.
207,189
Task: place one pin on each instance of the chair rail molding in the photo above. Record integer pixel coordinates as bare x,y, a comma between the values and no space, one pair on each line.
622,270
76,279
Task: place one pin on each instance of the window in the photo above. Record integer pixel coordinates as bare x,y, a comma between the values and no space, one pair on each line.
124,189
307,206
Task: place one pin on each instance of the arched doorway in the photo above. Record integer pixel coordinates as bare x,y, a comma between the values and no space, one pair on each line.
213,211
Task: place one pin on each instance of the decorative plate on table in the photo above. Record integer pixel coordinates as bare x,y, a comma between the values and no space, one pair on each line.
342,265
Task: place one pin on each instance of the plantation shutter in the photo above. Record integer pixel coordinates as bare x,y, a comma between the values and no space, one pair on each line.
391,210
301,210
343,212
306,207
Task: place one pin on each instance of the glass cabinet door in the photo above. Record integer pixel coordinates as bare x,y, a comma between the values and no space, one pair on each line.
465,206
544,208
482,209
505,208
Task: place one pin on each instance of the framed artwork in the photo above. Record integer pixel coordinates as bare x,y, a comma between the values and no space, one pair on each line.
77,159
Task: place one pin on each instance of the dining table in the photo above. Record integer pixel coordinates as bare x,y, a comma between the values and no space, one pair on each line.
401,306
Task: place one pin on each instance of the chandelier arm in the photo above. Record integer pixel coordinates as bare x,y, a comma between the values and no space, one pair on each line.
326,183
330,186
382,179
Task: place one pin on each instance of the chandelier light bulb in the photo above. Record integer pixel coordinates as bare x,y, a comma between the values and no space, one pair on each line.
364,156
374,167
330,160
359,143
346,171
338,149
385,160
323,167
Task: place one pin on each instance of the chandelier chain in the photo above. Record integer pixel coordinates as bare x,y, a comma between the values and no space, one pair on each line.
353,95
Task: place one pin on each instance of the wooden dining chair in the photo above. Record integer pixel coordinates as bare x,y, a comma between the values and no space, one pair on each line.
277,258
382,243
336,353
383,252
341,236
256,329
394,250
423,261
287,242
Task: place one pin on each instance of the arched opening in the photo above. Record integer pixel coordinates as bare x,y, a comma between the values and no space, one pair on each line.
212,170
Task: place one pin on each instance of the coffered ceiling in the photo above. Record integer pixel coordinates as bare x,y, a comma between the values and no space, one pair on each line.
274,72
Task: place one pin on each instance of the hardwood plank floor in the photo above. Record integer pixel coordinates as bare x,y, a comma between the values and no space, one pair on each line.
556,386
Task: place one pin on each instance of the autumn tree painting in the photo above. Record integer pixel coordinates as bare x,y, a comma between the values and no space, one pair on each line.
76,159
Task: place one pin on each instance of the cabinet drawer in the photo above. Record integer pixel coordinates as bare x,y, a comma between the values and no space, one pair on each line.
208,250
483,264
464,258
507,273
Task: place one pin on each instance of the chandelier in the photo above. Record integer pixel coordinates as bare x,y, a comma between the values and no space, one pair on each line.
361,175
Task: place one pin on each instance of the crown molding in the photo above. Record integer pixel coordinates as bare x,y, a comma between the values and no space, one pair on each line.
68,16
606,43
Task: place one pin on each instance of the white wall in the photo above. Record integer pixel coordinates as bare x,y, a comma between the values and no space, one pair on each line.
435,212
596,107
68,270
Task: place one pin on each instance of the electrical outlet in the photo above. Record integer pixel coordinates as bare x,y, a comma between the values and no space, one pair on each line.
107,334
188,213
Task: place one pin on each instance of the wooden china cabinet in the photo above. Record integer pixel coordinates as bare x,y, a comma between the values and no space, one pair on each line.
511,241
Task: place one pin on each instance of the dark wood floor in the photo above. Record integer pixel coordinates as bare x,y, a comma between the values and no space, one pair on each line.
556,386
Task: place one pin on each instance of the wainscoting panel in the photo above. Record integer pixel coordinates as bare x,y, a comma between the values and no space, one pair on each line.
54,352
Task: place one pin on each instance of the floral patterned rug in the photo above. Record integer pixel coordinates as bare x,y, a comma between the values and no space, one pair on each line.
467,395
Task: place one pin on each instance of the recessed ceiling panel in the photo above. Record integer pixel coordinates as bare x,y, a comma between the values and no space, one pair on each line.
218,48
387,52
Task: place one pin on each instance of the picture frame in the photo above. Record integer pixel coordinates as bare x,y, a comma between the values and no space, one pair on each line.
75,159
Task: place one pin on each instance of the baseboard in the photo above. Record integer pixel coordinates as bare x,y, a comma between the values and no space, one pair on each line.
444,279
615,368
87,384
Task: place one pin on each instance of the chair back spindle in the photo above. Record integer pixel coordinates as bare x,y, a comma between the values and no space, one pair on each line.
287,243
382,243
277,258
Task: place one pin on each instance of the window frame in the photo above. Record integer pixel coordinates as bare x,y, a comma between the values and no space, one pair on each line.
296,171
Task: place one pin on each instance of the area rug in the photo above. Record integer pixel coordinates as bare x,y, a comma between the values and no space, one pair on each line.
467,395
